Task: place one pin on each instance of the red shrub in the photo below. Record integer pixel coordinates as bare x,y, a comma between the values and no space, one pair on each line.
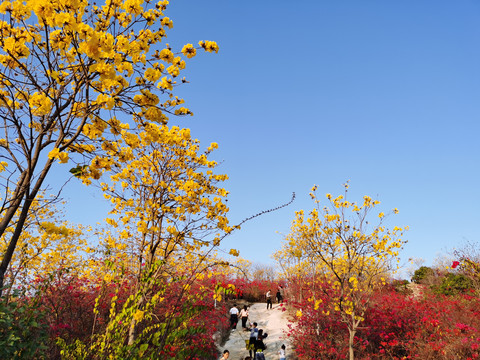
396,326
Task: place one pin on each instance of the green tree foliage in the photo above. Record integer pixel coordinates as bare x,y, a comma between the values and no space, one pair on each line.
421,274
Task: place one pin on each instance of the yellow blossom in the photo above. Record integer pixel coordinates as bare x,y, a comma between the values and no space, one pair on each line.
209,46
166,55
234,252
189,51
138,316
40,104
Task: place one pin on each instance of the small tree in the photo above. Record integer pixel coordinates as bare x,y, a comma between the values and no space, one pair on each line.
263,272
353,256
467,262
168,207
421,274
298,266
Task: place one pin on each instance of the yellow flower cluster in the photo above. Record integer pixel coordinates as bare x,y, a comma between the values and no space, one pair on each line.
40,104
57,154
210,46
234,252
189,51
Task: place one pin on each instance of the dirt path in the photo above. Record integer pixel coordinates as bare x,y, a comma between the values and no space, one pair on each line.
272,321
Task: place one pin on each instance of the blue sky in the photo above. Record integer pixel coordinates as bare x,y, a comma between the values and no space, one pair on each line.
382,93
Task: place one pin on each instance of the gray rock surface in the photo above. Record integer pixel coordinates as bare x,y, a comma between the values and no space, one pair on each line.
272,321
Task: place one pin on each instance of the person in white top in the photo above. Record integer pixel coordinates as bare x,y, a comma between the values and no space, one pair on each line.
233,317
244,317
281,352
268,295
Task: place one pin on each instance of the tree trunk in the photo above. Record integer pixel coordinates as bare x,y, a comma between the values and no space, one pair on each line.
7,257
350,344
132,332
22,192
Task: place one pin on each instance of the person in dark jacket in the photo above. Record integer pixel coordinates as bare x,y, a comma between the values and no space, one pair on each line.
253,339
259,347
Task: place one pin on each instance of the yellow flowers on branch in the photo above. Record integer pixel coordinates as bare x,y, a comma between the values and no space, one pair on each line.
165,195
79,80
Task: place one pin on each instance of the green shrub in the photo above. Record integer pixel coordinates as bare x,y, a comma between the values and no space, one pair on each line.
453,284
421,274
23,331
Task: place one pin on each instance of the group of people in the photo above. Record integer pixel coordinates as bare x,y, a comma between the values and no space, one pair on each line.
255,344
234,313
226,354
278,295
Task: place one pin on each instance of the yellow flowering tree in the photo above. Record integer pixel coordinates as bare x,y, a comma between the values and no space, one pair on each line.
76,75
47,243
169,212
352,255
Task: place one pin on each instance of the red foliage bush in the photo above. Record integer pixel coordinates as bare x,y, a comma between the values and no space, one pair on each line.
396,326
189,318
188,315
316,335
254,291
67,302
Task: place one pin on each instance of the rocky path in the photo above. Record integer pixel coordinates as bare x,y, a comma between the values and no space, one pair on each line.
272,321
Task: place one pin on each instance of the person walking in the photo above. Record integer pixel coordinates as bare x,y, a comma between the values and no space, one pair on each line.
282,293
253,339
268,295
278,296
259,347
244,317
281,353
233,317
